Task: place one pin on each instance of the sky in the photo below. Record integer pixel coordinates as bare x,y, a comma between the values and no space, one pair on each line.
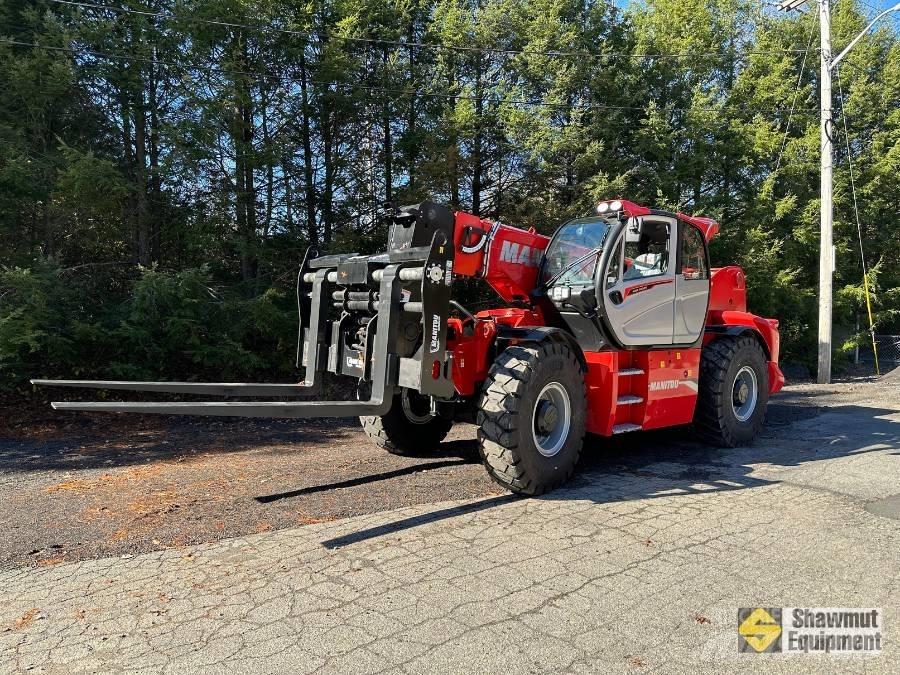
871,7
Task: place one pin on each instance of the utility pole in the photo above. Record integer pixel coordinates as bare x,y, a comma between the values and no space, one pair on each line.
826,212
826,218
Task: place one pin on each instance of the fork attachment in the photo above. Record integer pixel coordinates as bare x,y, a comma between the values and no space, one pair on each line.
380,319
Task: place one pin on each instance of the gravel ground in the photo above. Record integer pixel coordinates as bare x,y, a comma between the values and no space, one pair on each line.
76,486
91,485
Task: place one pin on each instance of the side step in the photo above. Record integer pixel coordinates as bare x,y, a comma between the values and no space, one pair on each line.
625,428
629,399
631,371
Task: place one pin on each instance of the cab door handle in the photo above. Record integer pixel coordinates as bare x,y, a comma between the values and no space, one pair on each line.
616,297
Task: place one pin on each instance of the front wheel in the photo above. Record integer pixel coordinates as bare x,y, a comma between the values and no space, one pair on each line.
408,428
733,391
531,417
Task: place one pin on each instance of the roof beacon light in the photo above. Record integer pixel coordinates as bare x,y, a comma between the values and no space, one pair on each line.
615,206
602,207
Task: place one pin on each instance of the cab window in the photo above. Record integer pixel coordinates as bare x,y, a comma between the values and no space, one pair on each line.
693,253
612,268
570,253
649,256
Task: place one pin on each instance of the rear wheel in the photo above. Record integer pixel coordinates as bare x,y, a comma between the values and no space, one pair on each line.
408,428
733,391
531,417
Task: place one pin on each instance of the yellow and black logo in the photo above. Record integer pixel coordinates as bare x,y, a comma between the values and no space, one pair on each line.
759,630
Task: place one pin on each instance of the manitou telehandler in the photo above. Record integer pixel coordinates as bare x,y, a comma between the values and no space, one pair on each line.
616,323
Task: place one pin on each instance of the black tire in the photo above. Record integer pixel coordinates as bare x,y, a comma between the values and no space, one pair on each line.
400,434
507,417
716,419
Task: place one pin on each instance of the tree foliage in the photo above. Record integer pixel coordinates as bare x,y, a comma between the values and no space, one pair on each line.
165,163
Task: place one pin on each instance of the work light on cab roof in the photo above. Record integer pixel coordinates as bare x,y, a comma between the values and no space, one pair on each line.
621,207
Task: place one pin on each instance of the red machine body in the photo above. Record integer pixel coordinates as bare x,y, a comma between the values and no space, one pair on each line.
603,328
508,259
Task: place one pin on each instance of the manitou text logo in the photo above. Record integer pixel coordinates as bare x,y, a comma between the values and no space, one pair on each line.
664,385
517,254
435,334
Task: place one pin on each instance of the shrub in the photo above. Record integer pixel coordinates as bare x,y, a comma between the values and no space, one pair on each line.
156,325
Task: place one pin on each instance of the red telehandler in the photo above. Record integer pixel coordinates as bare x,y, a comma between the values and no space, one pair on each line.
616,323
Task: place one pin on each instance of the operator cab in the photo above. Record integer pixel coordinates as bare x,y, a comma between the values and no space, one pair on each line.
568,274
629,278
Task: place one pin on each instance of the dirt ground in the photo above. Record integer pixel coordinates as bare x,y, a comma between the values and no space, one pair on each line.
76,486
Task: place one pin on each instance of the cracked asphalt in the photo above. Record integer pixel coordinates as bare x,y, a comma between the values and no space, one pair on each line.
639,565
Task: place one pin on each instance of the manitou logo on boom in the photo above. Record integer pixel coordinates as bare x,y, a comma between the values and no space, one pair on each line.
435,334
519,255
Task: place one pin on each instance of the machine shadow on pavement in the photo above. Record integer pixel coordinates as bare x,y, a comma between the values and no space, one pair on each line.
450,453
669,463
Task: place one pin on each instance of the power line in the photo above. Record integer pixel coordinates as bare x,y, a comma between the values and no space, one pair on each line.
386,90
409,44
874,8
862,253
787,127
129,57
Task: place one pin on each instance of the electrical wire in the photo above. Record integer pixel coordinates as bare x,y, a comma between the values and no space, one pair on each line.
874,8
387,90
862,253
404,43
787,127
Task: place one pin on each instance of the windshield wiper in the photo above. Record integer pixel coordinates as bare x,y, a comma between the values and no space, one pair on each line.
568,268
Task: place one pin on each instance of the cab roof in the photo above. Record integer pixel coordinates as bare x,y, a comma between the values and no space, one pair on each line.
708,226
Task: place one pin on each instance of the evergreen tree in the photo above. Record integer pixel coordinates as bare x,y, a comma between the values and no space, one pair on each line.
156,148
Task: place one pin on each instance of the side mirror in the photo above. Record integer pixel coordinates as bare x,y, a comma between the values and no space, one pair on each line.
633,231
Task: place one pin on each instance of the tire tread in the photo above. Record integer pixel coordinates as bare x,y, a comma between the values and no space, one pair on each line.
498,416
712,399
392,432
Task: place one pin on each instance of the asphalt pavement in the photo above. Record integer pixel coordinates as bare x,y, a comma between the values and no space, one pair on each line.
639,565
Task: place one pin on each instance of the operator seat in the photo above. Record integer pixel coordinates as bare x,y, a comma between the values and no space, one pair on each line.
644,265
653,254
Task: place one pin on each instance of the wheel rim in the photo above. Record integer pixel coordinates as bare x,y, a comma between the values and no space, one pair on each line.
744,394
417,411
551,419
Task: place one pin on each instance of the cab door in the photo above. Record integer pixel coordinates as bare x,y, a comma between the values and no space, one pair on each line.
639,285
691,285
